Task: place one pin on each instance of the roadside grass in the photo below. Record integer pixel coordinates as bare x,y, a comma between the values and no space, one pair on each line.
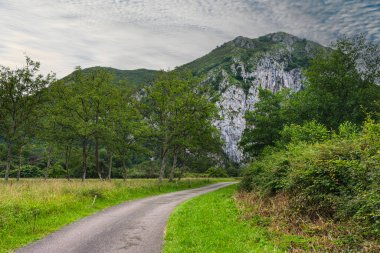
300,233
33,208
212,223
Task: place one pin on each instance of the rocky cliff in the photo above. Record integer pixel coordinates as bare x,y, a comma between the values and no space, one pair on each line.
238,68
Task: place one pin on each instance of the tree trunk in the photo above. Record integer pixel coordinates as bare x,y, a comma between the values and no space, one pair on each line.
19,165
67,157
125,171
97,158
164,150
110,167
174,166
180,174
48,164
9,160
162,168
84,158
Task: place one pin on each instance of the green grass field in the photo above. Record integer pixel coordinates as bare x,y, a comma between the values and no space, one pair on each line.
30,209
212,223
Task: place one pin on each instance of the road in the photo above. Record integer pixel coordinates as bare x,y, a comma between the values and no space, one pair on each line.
134,226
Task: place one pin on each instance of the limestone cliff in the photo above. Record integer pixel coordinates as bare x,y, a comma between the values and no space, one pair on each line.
238,68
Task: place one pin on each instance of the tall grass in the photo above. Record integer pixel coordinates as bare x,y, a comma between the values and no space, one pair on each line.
30,209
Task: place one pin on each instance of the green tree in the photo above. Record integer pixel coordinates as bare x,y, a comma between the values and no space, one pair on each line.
179,113
265,123
20,94
57,130
342,84
83,108
127,130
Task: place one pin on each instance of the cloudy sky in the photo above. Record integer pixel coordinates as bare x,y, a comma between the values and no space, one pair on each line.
162,34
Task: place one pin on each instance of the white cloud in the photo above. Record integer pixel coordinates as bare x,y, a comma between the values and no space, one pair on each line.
161,34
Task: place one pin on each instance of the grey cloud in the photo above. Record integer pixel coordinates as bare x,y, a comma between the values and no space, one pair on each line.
162,34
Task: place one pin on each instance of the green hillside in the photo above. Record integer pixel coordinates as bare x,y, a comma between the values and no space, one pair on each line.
133,77
294,51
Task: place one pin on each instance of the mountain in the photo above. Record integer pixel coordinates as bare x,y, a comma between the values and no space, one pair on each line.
238,68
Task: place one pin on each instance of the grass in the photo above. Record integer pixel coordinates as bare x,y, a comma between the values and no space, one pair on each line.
212,223
299,233
31,209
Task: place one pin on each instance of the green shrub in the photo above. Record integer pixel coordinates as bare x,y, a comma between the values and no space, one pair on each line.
217,172
334,177
348,130
309,132
28,171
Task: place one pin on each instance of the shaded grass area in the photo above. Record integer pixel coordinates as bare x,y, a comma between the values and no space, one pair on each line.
212,223
30,209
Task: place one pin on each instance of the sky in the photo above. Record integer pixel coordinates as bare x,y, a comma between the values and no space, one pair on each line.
163,34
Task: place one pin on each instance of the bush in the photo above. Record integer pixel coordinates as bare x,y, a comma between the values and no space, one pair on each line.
309,132
216,172
57,171
336,178
28,171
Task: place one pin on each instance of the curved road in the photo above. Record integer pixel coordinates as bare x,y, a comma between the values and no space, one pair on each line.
134,226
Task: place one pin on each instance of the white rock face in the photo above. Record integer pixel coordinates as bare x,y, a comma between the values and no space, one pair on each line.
234,101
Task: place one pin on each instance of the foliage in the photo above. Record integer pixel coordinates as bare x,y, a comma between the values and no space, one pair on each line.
317,150
20,95
334,178
265,123
125,78
181,115
309,132
341,85
94,123
216,172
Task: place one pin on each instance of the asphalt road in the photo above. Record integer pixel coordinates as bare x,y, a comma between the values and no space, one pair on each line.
134,226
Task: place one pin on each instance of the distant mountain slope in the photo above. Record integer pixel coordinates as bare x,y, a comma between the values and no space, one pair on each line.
134,77
238,68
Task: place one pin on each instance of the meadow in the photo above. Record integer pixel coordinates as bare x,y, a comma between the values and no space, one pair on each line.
33,208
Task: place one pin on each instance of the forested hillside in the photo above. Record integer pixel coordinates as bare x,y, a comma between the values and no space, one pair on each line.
137,78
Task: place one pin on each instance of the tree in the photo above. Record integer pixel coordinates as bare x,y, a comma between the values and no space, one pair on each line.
83,106
20,94
178,113
55,126
127,129
342,84
194,128
265,123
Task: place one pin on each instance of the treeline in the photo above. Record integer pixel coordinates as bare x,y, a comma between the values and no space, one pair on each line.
319,147
85,125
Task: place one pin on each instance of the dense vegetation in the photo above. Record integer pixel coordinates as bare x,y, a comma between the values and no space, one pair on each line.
319,148
93,123
32,208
